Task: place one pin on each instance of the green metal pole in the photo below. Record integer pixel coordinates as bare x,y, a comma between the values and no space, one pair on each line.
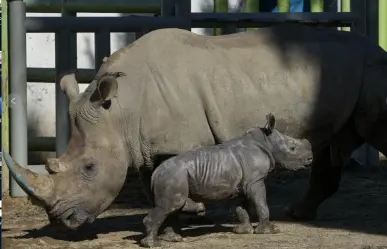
252,6
4,94
317,5
346,7
383,24
283,5
220,6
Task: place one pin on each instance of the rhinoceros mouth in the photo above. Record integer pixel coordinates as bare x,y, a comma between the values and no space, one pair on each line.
307,162
73,217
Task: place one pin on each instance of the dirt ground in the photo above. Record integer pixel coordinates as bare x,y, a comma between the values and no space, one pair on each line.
356,217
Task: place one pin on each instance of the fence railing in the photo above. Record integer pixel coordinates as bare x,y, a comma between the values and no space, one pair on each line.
168,14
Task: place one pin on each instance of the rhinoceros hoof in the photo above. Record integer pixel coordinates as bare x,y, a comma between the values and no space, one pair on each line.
266,228
300,212
171,237
150,242
243,229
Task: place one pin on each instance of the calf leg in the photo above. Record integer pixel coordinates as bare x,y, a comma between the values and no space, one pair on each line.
152,223
244,226
193,207
257,194
172,230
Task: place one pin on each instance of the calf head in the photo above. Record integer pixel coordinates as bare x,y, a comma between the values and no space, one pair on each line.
85,180
291,153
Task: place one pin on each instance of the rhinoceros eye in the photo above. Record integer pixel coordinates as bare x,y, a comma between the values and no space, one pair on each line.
89,171
89,167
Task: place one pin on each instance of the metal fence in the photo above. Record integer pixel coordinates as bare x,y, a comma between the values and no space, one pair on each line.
168,14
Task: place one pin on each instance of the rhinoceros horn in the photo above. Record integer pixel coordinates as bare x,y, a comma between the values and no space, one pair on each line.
69,86
38,186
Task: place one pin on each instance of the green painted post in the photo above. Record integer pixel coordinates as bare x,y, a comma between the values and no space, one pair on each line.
383,24
317,5
220,6
346,7
4,79
252,6
283,5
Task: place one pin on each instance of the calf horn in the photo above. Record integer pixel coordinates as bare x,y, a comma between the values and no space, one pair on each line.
38,186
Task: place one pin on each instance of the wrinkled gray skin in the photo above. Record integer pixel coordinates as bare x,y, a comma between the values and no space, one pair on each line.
179,90
236,168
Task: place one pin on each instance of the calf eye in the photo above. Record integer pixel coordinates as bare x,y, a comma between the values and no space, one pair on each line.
293,149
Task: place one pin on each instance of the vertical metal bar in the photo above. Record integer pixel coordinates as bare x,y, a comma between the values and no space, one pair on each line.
339,10
372,20
220,6
168,7
359,8
346,7
102,47
183,11
18,83
4,79
283,5
317,5
252,6
383,24
65,60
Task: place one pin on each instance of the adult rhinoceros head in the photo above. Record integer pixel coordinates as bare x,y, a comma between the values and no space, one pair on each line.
85,180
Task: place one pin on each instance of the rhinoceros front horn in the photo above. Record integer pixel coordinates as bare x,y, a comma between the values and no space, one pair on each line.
69,86
38,186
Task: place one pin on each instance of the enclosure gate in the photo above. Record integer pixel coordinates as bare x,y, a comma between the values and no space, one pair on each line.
168,14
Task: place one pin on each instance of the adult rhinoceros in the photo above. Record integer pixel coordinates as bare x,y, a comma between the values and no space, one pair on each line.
172,90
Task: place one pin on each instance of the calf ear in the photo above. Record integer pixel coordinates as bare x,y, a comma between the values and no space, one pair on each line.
270,122
107,87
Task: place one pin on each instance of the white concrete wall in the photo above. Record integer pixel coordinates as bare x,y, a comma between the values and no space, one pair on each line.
40,53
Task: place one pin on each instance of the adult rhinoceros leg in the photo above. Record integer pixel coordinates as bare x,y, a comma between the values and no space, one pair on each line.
145,178
323,182
326,172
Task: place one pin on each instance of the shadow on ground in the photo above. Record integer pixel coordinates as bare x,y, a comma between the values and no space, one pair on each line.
89,231
359,206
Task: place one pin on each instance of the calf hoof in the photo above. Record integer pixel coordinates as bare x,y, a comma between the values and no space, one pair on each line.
266,228
171,237
149,242
300,212
243,229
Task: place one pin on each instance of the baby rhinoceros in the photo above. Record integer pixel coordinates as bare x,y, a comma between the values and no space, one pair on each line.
234,169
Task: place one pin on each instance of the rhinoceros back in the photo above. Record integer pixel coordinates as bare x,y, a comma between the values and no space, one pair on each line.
193,90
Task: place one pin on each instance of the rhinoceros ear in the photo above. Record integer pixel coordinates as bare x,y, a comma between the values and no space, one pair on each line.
270,124
107,87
